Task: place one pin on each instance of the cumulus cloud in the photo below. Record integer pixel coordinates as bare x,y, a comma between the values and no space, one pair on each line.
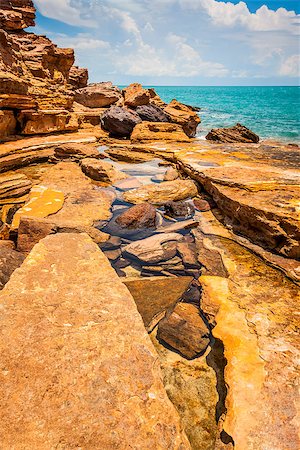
81,41
67,11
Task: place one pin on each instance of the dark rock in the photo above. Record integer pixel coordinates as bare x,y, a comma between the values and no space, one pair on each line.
112,243
119,121
112,255
138,216
237,133
10,260
152,113
184,330
179,209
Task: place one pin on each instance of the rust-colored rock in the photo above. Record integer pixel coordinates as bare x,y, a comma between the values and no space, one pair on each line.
184,116
138,216
76,150
184,330
78,77
78,369
238,133
154,249
135,95
31,231
162,193
98,95
44,122
151,131
100,170
16,14
155,295
155,98
13,186
7,123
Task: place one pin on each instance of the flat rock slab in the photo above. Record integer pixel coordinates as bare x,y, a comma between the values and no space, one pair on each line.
154,295
78,369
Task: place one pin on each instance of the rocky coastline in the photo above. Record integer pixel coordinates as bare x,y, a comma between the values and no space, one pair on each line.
149,280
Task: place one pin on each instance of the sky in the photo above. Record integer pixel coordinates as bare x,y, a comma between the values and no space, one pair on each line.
178,42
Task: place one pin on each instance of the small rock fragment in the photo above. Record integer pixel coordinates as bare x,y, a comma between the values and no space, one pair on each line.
138,216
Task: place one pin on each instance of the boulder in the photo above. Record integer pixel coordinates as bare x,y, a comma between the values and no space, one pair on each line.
10,260
8,123
183,115
237,133
201,204
76,150
179,209
13,186
146,293
100,170
78,77
138,216
151,131
44,122
119,121
152,113
98,95
189,254
162,193
171,174
154,249
155,98
135,95
79,367
184,330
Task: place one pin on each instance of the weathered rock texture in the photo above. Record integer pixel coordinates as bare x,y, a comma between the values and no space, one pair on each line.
154,249
152,113
10,260
119,121
98,95
138,216
78,369
184,116
34,74
135,95
163,192
101,170
151,131
238,133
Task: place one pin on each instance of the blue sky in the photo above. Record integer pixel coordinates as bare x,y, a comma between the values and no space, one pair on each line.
178,42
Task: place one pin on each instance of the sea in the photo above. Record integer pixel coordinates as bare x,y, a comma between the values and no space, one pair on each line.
271,112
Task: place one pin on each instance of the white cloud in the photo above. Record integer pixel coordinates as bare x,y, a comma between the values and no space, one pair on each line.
291,66
81,41
229,14
66,11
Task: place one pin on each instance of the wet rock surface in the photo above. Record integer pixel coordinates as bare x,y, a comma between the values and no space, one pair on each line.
138,216
184,330
238,133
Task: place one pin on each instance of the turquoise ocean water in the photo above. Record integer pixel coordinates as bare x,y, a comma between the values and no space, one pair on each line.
271,112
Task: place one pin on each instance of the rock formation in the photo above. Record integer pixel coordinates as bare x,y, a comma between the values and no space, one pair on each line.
238,133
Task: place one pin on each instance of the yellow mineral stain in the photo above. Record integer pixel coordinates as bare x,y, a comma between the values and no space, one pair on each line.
244,372
43,201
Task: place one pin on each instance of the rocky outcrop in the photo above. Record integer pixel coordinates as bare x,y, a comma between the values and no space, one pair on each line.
171,174
184,330
98,95
78,77
183,115
238,133
135,95
152,113
101,170
13,186
151,131
119,121
163,192
45,122
8,123
57,332
155,98
179,209
16,14
138,216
